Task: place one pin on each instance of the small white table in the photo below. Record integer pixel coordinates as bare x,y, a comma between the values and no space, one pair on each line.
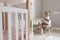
36,22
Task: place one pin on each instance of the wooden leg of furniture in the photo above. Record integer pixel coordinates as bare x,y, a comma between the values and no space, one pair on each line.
42,31
49,30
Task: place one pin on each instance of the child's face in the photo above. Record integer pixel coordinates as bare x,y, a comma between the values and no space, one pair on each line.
46,14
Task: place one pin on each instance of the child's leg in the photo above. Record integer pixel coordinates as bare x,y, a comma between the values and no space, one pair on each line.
43,26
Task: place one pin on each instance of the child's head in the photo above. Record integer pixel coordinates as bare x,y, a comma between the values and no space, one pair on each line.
46,13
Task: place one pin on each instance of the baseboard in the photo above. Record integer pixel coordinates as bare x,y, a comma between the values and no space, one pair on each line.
56,28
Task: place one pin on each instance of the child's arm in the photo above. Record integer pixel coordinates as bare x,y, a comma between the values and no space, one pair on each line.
46,19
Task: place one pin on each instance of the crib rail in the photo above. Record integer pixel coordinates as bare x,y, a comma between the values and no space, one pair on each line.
12,9
16,11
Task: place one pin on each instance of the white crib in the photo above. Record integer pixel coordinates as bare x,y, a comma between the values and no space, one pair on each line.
24,22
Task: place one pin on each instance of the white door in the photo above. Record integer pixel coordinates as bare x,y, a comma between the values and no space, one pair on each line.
32,9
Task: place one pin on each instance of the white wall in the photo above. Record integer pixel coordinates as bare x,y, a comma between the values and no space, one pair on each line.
48,5
53,6
35,9
12,2
23,5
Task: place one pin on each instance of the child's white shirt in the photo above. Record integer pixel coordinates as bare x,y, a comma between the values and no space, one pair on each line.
48,22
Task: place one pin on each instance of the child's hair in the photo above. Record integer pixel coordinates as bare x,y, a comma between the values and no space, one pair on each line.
47,13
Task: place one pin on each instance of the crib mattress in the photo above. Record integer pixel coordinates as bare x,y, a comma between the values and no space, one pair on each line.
5,35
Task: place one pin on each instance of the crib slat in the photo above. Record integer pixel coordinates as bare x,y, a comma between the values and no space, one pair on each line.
4,20
16,25
27,26
22,19
9,27
32,31
1,29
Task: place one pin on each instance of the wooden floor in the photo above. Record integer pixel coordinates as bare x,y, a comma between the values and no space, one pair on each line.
54,35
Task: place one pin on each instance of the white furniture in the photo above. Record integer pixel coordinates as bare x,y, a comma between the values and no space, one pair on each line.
36,22
14,10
